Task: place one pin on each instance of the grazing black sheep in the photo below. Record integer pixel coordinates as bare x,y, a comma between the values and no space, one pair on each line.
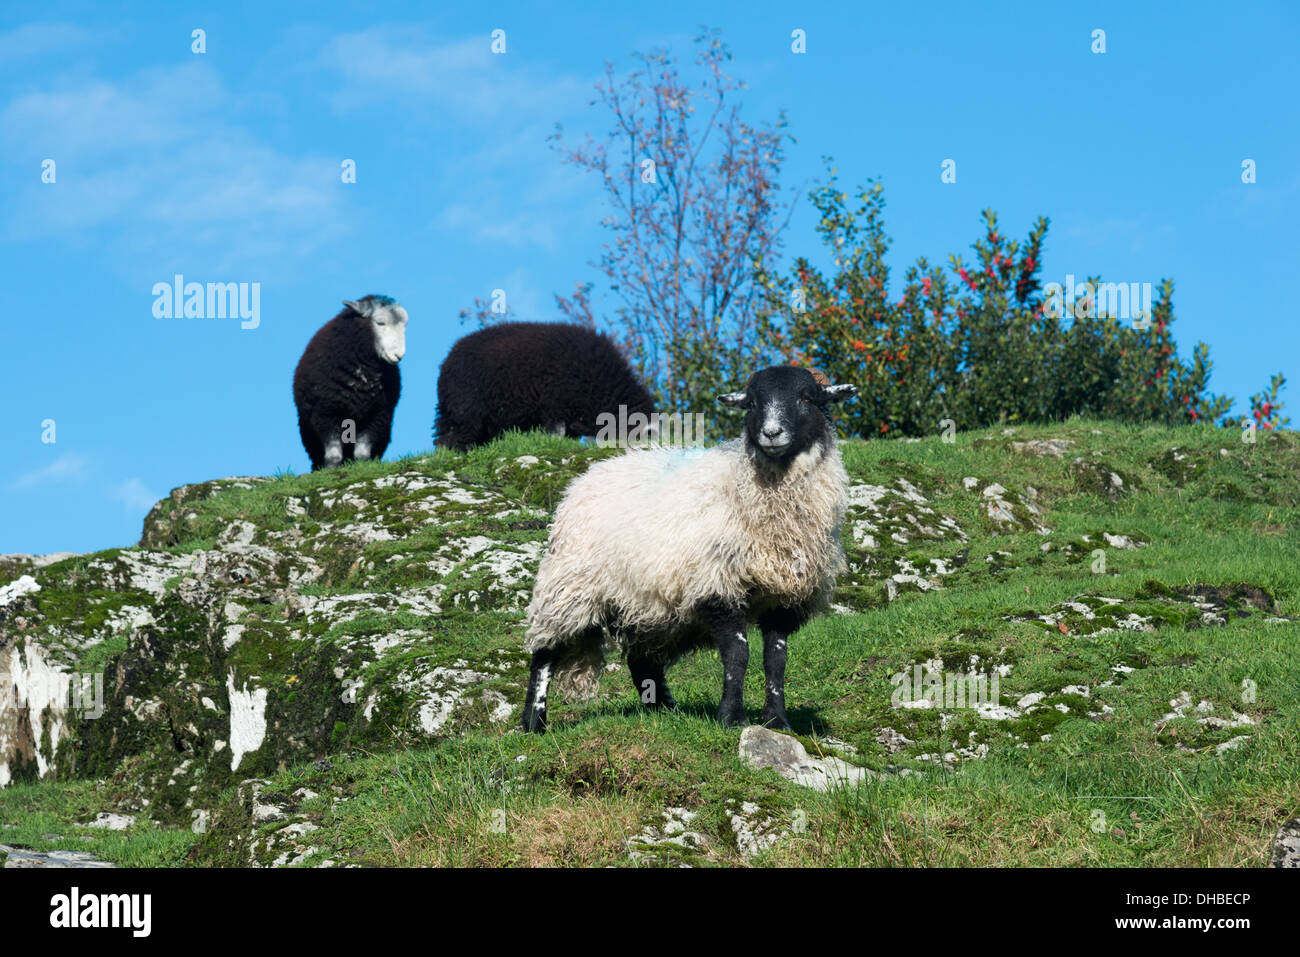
532,375
347,384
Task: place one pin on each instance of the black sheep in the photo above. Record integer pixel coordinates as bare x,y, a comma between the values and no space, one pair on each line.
532,375
347,384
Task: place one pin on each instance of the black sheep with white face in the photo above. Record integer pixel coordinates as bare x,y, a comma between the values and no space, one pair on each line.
786,414
347,383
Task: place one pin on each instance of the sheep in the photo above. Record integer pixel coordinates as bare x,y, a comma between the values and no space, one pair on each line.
347,384
526,375
673,550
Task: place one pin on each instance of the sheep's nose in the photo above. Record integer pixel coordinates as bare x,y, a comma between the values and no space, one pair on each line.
772,432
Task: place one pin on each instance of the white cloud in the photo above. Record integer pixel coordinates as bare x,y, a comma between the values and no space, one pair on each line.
1133,233
67,467
518,227
462,75
155,161
527,298
134,494
40,40
505,186
161,168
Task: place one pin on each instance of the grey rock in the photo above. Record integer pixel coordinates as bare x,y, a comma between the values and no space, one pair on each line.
755,831
761,748
1041,447
892,740
247,596
112,822
1286,845
25,857
671,842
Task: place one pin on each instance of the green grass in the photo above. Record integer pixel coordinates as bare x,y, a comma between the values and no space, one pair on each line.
53,815
1084,786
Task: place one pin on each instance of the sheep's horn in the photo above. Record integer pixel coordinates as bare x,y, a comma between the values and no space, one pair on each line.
838,393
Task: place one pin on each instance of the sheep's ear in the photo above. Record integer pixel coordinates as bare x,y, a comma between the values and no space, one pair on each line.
355,307
838,393
734,399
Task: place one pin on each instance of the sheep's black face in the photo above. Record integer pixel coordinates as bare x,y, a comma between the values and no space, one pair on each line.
786,411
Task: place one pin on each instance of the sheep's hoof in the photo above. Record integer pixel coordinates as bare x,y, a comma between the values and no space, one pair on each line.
534,723
776,722
732,718
666,703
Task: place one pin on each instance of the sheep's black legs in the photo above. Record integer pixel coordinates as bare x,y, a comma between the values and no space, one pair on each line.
539,680
648,678
777,627
311,441
728,629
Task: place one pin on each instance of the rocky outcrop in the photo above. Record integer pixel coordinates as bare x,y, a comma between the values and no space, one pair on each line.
266,623
263,622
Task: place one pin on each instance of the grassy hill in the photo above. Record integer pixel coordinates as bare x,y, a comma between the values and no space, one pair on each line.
327,669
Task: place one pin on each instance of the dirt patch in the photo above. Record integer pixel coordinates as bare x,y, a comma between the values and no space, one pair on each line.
602,768
1177,464
1100,478
584,834
1231,599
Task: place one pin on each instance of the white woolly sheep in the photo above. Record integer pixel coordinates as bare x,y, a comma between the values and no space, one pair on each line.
674,550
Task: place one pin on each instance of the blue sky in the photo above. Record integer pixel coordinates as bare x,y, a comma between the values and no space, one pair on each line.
225,167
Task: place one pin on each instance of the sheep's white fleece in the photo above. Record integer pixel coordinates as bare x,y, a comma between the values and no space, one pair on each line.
651,534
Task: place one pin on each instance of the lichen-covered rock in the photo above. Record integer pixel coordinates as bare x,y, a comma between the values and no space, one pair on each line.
755,831
170,521
1041,447
1005,515
888,530
11,856
1192,606
671,841
761,748
1286,845
257,828
1100,478
19,564
238,638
